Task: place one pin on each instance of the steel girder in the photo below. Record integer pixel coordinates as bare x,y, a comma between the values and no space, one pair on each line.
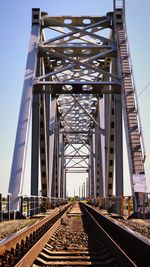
76,89
133,128
19,156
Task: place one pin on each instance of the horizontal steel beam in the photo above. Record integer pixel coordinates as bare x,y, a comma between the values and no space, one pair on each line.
75,171
76,88
75,132
75,21
76,156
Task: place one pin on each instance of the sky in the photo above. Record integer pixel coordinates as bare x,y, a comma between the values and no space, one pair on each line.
15,26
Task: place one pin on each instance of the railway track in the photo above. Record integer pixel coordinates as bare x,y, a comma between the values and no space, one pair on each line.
75,243
75,236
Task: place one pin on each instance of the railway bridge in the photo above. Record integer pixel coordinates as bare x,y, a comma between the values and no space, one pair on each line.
78,91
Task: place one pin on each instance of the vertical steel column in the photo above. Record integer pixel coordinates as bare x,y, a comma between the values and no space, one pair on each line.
43,135
35,146
133,129
53,162
35,138
52,125
107,136
98,156
92,178
64,182
19,156
118,146
108,126
57,183
118,142
63,176
87,188
61,166
109,144
43,147
119,4
118,126
103,122
54,189
47,114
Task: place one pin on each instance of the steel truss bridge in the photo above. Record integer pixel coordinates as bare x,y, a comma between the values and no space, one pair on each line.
78,83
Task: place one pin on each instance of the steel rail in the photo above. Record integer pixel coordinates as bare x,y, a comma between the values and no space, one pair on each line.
94,258
135,248
21,242
111,234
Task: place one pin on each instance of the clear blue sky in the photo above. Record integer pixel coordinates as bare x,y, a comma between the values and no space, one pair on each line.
15,25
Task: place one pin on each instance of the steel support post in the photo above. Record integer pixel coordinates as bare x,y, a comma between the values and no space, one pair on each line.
43,147
61,165
47,114
44,117
64,184
107,139
53,178
19,156
87,188
89,178
54,191
118,140
102,146
35,146
98,158
63,175
133,127
118,149
109,148
92,178
57,159
52,146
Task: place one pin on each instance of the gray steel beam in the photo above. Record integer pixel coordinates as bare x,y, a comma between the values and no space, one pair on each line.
53,158
35,146
98,157
109,144
60,165
76,171
118,146
47,115
78,88
91,170
84,64
133,128
43,136
76,156
77,21
57,167
43,147
19,156
118,136
52,124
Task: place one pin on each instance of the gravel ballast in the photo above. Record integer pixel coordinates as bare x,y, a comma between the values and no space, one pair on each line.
9,227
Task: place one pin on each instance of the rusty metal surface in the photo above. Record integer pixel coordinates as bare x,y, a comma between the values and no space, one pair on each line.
78,242
130,242
16,246
28,259
14,239
77,237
